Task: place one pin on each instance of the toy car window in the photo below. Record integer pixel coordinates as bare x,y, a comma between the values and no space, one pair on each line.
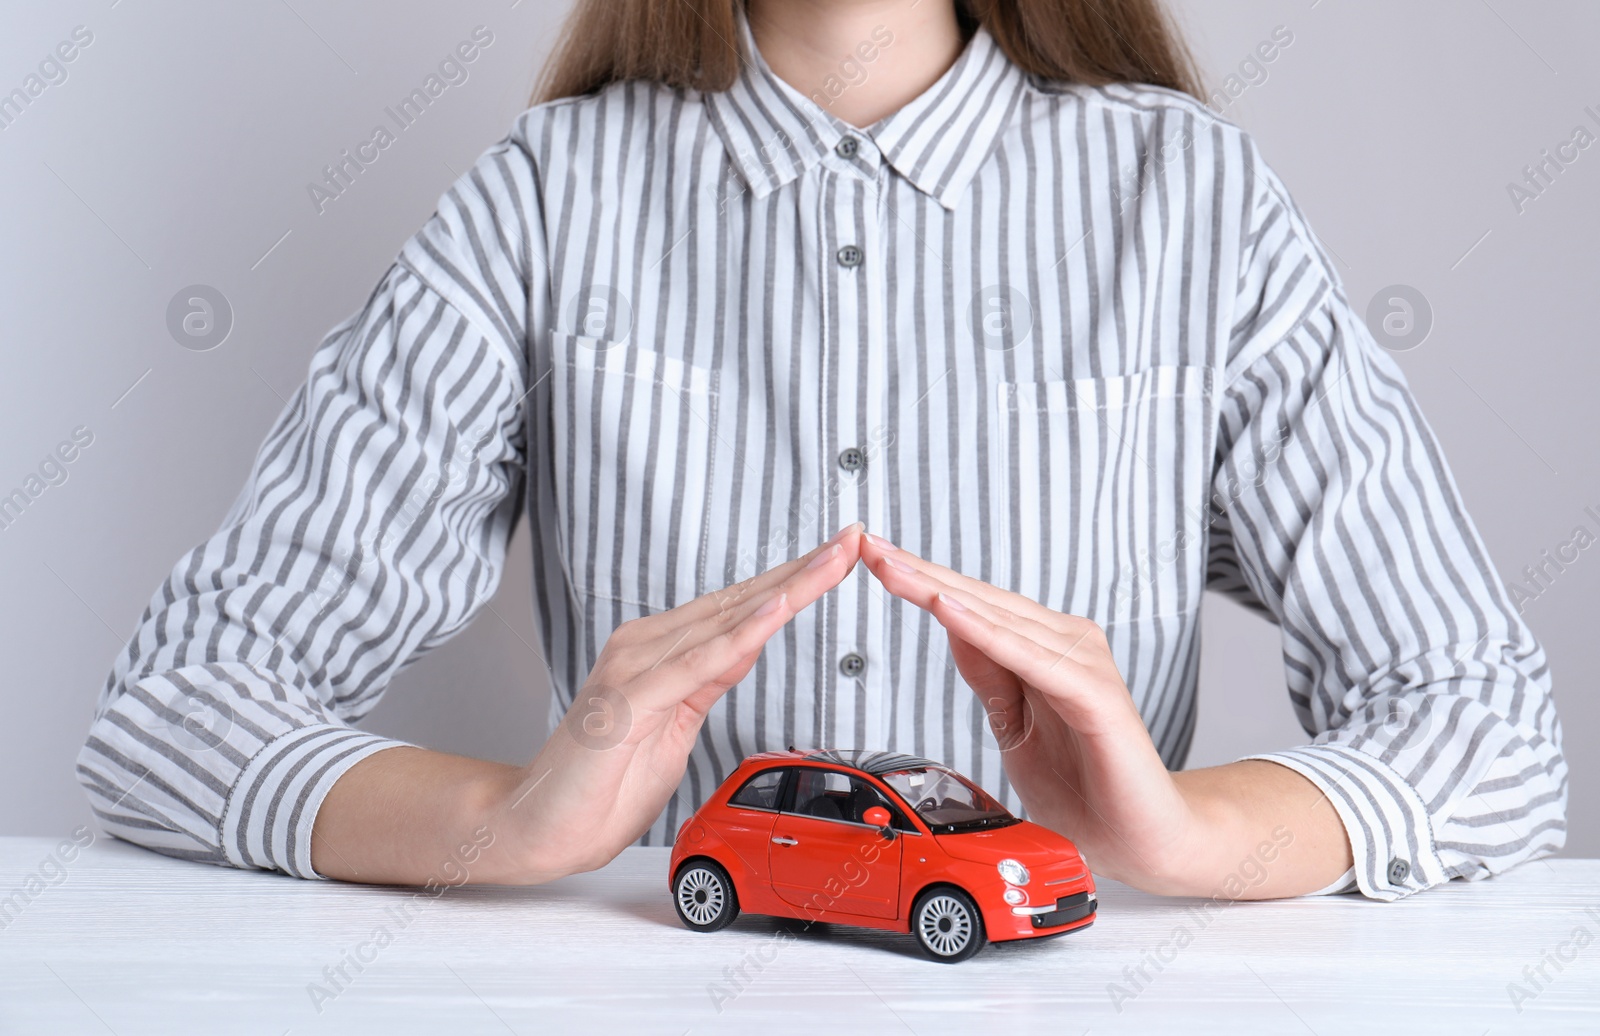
867,796
760,791
821,793
830,795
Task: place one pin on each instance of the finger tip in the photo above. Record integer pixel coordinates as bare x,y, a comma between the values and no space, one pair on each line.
826,556
896,566
851,531
775,606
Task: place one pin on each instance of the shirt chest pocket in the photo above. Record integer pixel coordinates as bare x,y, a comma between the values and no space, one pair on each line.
633,436
1103,500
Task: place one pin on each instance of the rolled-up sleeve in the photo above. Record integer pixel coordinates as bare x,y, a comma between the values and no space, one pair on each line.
1435,734
372,526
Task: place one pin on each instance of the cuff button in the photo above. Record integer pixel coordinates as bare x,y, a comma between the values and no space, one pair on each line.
1398,869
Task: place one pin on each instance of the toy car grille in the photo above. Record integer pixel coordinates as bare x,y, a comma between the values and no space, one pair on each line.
1068,909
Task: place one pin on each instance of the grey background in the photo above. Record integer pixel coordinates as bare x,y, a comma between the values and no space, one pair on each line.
178,152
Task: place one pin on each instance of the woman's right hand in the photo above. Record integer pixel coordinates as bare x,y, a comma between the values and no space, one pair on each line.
616,758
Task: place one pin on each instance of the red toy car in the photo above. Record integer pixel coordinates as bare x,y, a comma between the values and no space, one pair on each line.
876,840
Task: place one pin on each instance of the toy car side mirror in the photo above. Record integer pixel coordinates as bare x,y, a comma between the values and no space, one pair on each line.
878,817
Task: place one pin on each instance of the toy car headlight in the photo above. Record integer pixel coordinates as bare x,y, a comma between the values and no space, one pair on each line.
1014,872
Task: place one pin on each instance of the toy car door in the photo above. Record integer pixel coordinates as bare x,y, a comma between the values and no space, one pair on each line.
825,857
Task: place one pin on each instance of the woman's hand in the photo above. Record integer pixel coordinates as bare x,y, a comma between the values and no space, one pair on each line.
609,768
1074,744
1077,751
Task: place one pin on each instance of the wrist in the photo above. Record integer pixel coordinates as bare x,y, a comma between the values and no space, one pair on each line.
484,806
533,809
1198,859
1188,860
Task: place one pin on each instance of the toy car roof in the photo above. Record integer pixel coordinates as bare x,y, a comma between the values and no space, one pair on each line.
876,763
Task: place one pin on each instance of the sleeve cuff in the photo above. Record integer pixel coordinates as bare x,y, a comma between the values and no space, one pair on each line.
1345,882
1391,834
272,806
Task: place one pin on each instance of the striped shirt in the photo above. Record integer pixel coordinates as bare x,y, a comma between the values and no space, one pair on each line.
1076,342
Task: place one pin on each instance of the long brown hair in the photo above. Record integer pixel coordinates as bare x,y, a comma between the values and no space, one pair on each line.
693,44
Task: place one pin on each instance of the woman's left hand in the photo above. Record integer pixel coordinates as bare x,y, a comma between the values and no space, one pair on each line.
1073,742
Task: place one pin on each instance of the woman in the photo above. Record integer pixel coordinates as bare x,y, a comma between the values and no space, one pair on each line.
979,283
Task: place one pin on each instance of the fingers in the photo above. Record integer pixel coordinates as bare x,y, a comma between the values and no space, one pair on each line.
705,670
844,544
805,579
922,584
997,690
992,628
821,571
757,589
884,558
714,651
1039,664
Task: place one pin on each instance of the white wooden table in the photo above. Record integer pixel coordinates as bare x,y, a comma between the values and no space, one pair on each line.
130,942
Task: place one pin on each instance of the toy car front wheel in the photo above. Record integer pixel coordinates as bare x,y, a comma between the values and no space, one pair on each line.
947,925
704,896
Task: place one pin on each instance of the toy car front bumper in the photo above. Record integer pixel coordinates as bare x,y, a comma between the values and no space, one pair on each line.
1065,910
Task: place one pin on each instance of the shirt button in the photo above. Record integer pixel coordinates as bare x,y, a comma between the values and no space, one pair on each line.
847,147
1398,869
850,256
852,664
852,459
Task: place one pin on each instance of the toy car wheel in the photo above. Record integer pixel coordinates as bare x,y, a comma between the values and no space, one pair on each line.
947,925
704,896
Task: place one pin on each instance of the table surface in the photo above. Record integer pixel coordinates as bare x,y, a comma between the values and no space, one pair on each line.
124,941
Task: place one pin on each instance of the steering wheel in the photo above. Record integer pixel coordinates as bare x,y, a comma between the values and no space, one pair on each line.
928,803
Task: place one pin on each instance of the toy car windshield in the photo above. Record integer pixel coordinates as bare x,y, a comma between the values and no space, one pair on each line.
946,801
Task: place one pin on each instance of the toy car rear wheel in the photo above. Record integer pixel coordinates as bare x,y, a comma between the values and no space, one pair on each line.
947,925
704,896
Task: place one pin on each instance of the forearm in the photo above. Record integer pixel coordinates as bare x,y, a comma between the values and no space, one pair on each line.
409,816
1259,831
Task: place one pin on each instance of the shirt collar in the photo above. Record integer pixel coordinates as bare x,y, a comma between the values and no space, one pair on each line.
938,142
